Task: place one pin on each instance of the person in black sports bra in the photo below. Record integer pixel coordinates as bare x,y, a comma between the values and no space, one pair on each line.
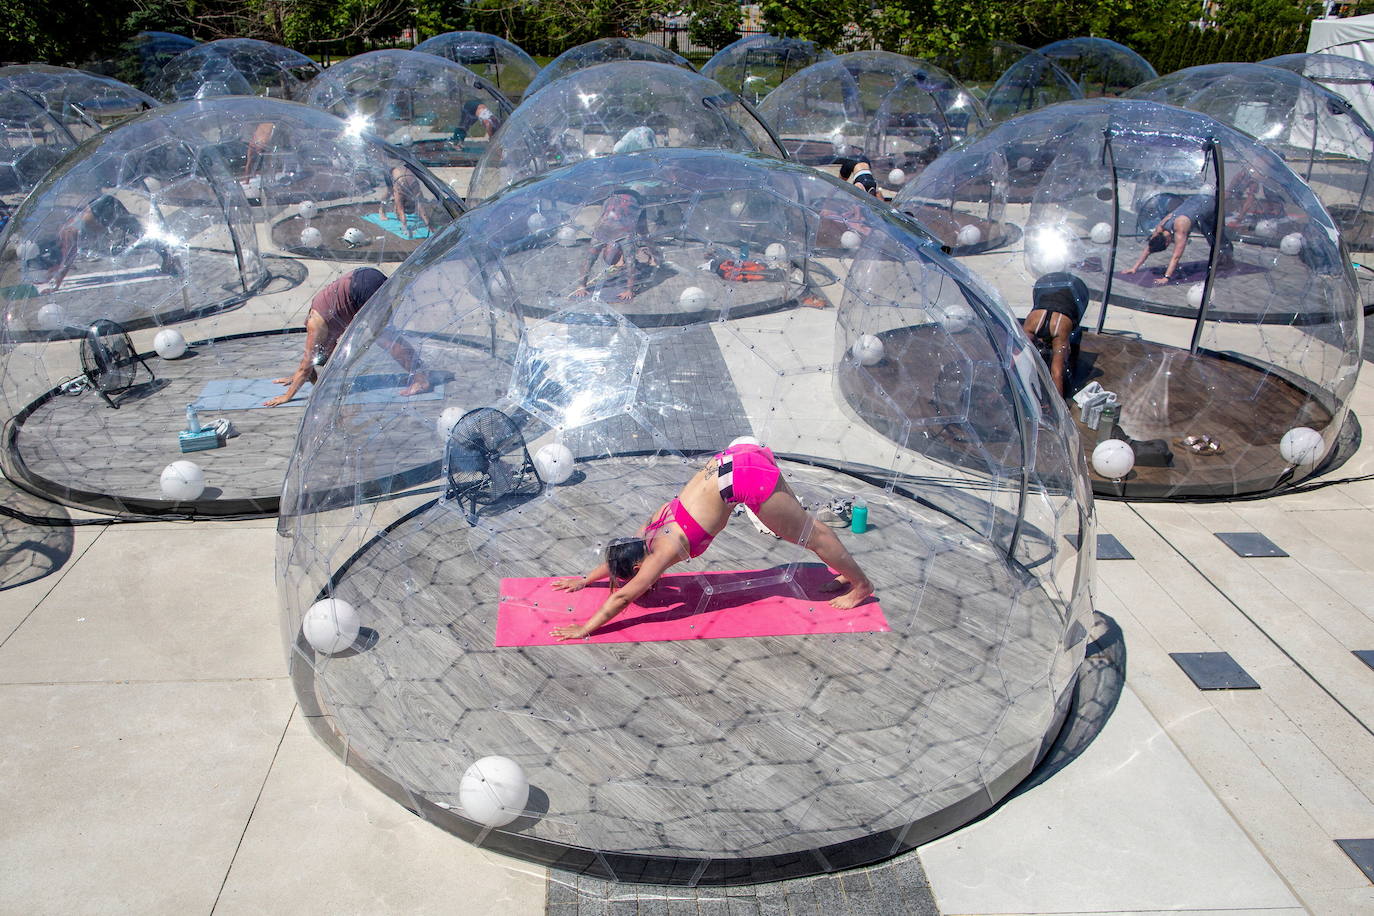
1054,323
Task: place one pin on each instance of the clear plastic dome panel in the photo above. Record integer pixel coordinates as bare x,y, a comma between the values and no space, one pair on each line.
234,66
83,102
491,57
32,142
440,112
603,51
1224,328
618,108
593,358
755,65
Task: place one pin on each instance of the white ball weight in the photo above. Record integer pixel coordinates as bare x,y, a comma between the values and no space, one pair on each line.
1113,459
52,317
448,418
331,625
955,318
1302,446
536,221
308,209
896,178
182,481
1267,227
169,343
1101,233
27,250
1195,294
1291,243
868,350
775,253
970,235
554,462
851,239
311,237
494,791
693,297
567,236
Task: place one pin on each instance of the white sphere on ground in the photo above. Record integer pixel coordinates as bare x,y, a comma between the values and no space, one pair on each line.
331,625
1101,233
567,236
775,253
1291,243
745,440
169,343
1302,446
354,236
536,221
1195,294
1024,163
693,297
311,237
970,235
183,481
52,317
1113,459
955,318
1267,227
448,419
494,791
868,350
851,239
736,207
308,209
27,249
896,177
554,462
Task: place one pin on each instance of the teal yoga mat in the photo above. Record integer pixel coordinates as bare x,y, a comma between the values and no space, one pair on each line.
391,224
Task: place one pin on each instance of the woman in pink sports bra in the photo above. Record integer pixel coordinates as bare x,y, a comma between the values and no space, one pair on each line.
685,527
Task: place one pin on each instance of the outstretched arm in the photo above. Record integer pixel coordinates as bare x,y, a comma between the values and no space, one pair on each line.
305,372
1182,227
650,570
577,584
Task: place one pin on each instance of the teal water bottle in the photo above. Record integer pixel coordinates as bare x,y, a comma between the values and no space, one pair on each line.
858,518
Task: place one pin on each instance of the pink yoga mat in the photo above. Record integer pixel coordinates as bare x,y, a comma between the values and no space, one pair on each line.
679,606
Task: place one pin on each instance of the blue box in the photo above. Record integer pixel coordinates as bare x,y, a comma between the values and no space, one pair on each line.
206,438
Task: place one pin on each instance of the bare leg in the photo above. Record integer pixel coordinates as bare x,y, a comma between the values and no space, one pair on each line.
401,351
783,513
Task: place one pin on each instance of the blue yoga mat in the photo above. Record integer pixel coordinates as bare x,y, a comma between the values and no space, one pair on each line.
391,224
247,394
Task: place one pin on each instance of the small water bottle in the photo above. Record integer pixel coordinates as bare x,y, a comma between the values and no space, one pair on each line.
743,252
192,419
1111,415
858,518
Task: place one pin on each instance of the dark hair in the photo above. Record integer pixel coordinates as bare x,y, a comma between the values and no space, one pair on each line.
622,555
1157,243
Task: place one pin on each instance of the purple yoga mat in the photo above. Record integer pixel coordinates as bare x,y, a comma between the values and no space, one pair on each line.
1188,272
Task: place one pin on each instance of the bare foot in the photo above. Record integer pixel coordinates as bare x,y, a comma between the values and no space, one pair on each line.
836,584
853,597
419,384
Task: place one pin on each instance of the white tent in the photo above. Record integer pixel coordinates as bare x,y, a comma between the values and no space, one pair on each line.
1353,37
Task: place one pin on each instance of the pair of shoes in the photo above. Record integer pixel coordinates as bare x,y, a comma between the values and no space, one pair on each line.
836,513
1201,445
224,428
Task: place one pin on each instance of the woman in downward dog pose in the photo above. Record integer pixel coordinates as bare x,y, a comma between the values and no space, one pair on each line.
685,527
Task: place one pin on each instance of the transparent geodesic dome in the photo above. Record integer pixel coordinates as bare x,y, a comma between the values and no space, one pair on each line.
84,102
321,188
1254,333
234,66
603,51
32,141
440,112
1317,132
134,232
873,367
615,108
898,112
491,57
756,64
140,59
1100,66
1032,82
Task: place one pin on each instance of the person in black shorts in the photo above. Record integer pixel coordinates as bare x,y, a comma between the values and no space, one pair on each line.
1198,212
108,222
859,173
1054,324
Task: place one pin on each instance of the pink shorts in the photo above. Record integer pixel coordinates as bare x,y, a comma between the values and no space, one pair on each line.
747,474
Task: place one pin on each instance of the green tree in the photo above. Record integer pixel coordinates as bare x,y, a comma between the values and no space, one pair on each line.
714,23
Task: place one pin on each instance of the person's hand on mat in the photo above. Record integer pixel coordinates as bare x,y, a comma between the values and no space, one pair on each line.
580,293
577,632
1160,281
419,384
575,584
